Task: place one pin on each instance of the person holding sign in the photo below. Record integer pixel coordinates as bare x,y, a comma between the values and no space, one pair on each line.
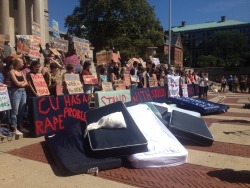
34,69
18,95
88,88
52,78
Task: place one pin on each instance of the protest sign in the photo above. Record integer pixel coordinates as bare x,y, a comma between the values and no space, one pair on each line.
36,30
173,86
119,85
104,57
59,89
134,78
23,46
4,99
73,60
152,81
90,80
60,44
105,98
127,80
55,28
73,83
51,114
29,45
184,90
82,47
40,84
161,82
156,94
107,86
55,52
156,61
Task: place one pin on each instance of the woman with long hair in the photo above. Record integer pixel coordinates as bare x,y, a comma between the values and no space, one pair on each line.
18,95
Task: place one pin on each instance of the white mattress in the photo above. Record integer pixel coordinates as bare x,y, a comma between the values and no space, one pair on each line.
171,108
163,148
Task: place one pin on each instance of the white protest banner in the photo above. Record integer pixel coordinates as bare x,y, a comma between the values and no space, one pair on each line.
40,84
105,98
73,83
173,86
4,99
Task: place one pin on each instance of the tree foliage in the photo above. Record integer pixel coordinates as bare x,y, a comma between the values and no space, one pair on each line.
207,61
230,48
129,26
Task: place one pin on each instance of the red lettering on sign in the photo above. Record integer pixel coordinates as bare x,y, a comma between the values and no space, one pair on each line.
158,92
40,107
39,129
57,104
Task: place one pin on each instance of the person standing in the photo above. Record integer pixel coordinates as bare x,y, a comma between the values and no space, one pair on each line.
18,95
88,88
223,84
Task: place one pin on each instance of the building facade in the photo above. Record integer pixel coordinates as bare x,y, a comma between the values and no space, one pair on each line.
17,16
195,37
176,50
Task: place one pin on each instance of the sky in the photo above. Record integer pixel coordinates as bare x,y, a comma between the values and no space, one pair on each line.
190,11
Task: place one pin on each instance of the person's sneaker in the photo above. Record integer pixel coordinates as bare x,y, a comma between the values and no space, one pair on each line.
17,132
24,130
1,135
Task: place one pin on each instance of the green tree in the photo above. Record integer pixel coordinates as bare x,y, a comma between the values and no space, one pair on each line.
129,26
207,61
229,47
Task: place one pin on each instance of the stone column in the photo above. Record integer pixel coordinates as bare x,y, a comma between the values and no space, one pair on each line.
21,17
4,17
36,11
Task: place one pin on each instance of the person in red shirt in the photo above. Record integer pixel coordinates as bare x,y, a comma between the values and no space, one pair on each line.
88,89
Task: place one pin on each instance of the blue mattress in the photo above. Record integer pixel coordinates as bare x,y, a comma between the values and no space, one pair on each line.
70,153
114,142
201,106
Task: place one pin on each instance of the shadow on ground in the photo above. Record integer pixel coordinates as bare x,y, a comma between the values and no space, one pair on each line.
231,176
235,121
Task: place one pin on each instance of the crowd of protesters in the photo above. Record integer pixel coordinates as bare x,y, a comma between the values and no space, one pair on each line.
16,70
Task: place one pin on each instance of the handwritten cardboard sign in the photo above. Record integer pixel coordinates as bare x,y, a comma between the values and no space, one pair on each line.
40,84
59,89
90,80
119,85
60,44
29,44
104,57
107,86
127,80
73,60
4,99
51,114
82,47
23,46
105,98
156,94
73,83
152,81
36,30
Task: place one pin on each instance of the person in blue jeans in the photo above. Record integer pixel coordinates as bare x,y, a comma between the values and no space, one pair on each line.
18,95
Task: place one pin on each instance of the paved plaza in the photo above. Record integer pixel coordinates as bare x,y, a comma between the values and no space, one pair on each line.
27,163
